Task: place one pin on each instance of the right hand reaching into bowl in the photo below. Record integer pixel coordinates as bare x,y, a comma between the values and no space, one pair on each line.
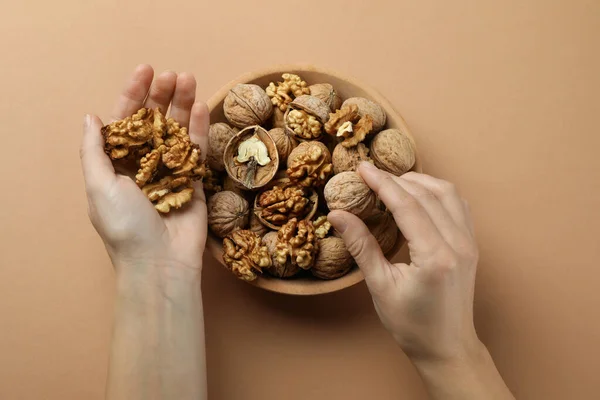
427,305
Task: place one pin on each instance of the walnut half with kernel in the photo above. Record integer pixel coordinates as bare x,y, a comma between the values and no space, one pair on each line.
305,117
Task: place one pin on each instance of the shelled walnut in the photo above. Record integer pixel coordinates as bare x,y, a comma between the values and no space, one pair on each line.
245,255
348,158
333,260
227,212
131,133
297,243
385,230
286,270
348,124
309,164
348,192
393,151
305,117
284,200
170,192
327,94
368,107
148,167
247,104
322,226
283,93
219,135
284,142
211,181
251,157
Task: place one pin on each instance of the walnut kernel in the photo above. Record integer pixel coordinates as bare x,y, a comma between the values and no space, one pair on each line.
283,93
322,226
245,255
309,164
297,243
368,107
284,201
286,270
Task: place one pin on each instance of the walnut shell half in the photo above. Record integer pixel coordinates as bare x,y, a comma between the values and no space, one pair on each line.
393,151
348,192
333,260
368,107
227,212
251,173
305,117
247,104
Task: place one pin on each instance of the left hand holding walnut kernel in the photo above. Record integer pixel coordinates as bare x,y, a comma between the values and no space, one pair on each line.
131,228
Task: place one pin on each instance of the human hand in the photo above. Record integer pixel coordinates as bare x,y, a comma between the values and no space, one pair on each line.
133,232
427,305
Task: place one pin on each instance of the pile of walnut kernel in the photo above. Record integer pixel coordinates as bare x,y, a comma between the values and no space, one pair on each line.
284,157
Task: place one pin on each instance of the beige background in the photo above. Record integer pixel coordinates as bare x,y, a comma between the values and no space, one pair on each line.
502,97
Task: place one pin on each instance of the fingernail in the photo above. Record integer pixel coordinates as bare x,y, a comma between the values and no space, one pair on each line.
339,223
87,120
367,166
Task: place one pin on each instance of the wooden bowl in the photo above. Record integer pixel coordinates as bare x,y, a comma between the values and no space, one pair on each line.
346,87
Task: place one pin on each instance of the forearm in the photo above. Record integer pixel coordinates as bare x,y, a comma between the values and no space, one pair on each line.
158,339
474,377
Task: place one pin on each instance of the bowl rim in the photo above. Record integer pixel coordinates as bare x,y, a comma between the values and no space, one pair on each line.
355,276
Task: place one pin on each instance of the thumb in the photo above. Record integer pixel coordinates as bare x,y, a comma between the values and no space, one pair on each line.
361,244
97,167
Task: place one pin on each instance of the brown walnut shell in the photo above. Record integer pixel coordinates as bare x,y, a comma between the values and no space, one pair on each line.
219,135
233,186
333,260
368,107
385,230
251,176
256,226
247,104
285,143
348,192
311,208
327,94
393,151
286,270
311,105
347,158
227,212
277,120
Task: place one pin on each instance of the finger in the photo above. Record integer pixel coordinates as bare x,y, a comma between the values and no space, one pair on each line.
97,168
183,99
161,91
199,126
362,245
446,193
134,94
411,217
471,225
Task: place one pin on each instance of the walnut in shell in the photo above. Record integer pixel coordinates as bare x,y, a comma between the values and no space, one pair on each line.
305,117
348,192
347,158
227,212
284,200
219,135
297,243
333,260
251,157
233,186
256,226
385,230
309,164
368,107
286,270
327,94
284,142
393,151
247,104
245,255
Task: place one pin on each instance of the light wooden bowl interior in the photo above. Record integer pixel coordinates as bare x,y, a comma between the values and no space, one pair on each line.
346,87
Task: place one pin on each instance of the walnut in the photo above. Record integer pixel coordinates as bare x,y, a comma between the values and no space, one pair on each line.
256,226
245,255
148,167
296,243
251,157
283,93
286,270
123,136
285,143
347,158
211,181
219,135
368,107
233,186
384,228
393,151
284,200
309,164
247,104
277,120
305,117
322,226
180,153
227,212
327,94
348,192
333,260
169,192
346,123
